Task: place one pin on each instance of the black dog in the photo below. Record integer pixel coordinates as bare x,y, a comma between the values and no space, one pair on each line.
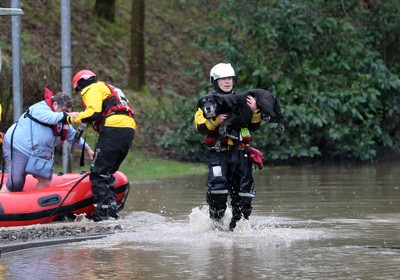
239,113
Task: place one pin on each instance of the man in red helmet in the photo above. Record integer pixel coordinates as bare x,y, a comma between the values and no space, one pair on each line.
110,114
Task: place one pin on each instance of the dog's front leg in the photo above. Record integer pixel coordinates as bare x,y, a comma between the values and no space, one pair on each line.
281,127
222,129
232,136
266,118
225,126
217,146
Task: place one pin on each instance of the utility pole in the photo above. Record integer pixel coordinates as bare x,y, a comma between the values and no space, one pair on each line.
15,12
66,70
18,99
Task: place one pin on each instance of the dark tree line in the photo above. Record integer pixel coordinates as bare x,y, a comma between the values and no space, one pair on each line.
334,66
106,9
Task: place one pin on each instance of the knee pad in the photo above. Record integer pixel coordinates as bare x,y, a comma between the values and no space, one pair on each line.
216,173
15,185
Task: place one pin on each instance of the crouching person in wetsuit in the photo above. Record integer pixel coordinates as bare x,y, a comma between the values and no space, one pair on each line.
230,170
111,115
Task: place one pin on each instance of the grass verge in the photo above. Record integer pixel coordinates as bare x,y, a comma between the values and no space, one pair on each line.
139,167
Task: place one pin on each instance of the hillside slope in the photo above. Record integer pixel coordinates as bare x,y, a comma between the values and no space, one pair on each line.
104,48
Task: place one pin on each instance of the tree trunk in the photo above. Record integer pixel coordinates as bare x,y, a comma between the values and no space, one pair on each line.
136,78
105,9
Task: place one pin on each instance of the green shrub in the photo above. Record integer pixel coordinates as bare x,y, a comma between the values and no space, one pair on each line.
323,62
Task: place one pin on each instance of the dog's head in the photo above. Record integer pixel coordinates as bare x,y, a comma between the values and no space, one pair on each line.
209,105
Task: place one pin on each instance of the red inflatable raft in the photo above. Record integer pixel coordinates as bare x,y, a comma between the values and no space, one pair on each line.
69,195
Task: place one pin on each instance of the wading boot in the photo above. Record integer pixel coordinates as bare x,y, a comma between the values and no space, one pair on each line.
216,216
113,210
100,213
236,216
247,212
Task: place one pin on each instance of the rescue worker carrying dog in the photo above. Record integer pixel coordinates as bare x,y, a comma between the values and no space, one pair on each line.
230,169
110,114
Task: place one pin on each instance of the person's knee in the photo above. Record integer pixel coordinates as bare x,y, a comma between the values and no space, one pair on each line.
15,185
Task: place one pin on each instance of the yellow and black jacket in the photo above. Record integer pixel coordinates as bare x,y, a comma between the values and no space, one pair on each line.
93,99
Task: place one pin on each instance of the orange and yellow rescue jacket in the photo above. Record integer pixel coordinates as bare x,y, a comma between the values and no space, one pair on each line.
96,100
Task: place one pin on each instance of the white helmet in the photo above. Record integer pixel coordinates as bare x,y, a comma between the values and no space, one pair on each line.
222,70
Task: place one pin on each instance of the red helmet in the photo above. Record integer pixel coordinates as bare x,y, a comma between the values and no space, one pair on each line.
83,74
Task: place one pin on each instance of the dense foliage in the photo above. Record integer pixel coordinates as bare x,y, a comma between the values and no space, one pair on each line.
333,65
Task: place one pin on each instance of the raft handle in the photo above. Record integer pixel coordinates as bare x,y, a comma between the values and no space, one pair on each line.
49,200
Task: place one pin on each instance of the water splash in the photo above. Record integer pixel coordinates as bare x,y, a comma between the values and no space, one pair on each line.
199,230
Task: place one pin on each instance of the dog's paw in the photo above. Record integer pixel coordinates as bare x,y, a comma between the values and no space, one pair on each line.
222,130
266,118
217,146
281,127
232,136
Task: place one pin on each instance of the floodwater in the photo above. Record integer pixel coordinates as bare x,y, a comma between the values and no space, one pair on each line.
330,222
